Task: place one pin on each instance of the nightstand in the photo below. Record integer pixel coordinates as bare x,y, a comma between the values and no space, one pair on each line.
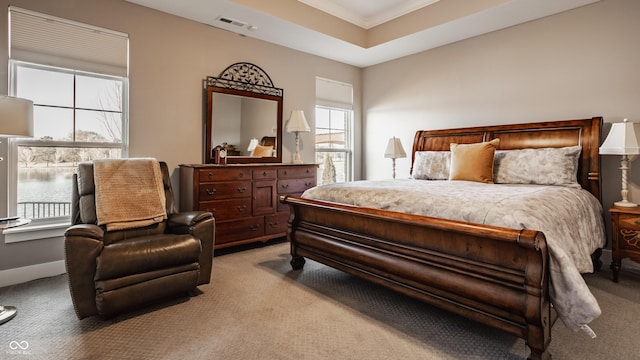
625,242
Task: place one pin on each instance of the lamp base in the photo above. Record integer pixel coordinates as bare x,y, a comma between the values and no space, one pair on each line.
625,203
7,313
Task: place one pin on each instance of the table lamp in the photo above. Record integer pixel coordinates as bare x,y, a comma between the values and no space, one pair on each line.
16,120
623,139
394,151
252,145
297,123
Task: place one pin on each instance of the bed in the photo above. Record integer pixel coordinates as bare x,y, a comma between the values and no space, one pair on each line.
500,276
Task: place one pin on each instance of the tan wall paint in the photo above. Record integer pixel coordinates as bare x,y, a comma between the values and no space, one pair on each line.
577,64
169,58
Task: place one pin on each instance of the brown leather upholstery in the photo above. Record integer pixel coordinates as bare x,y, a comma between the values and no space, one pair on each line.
116,271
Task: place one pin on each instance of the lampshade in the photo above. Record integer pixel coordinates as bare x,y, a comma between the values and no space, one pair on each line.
297,122
394,149
16,116
623,139
252,144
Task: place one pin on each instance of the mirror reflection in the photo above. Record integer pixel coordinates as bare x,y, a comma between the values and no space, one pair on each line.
247,125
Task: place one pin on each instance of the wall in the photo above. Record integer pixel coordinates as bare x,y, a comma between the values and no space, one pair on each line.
169,58
574,65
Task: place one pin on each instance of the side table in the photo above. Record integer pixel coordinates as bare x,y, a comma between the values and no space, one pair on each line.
9,312
625,240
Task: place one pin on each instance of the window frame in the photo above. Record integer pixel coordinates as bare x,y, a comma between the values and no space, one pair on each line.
348,141
14,143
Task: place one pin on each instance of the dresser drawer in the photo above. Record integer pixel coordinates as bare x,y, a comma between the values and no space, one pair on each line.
276,224
264,174
228,173
629,221
234,230
228,209
294,186
629,240
629,228
224,190
297,172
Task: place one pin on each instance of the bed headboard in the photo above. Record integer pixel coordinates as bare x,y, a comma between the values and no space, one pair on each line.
585,132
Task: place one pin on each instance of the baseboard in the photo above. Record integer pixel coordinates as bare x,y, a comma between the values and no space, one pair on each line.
32,272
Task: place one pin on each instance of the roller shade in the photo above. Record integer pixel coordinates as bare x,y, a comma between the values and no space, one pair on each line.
48,40
333,93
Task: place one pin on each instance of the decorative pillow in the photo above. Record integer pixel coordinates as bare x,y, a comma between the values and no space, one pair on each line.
264,151
431,165
543,166
473,162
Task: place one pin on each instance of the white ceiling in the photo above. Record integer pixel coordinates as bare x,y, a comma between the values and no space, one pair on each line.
363,13
368,13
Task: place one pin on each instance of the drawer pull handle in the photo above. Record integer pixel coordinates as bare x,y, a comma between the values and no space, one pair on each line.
241,190
273,224
264,173
210,175
284,186
285,172
241,208
210,191
308,184
254,227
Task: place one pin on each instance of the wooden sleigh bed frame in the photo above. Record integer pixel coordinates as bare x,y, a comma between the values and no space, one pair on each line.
494,275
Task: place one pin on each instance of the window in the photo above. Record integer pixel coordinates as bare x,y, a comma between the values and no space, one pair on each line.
78,116
334,124
333,150
76,75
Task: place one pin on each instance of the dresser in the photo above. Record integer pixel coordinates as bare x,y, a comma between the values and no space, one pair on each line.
244,197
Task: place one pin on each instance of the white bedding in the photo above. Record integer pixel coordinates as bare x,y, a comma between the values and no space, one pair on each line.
571,220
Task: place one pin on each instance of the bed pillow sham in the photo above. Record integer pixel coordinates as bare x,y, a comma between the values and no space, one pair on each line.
261,150
431,165
473,162
543,166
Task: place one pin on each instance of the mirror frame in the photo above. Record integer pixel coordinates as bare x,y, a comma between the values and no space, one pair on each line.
247,80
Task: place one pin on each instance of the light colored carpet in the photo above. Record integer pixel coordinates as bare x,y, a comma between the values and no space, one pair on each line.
256,307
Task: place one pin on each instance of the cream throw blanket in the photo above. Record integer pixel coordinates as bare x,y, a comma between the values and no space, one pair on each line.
129,193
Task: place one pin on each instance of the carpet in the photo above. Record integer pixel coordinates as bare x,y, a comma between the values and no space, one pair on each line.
256,307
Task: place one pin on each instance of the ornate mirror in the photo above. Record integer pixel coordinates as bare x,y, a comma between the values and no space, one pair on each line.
244,117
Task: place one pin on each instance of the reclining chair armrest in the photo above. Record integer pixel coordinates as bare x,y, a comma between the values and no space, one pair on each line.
187,219
85,230
201,225
82,246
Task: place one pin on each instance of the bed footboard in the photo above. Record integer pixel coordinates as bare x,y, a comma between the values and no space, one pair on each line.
493,275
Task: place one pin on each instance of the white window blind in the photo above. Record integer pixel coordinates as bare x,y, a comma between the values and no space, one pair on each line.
334,94
43,39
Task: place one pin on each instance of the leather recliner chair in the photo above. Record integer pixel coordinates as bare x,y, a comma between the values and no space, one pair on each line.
116,271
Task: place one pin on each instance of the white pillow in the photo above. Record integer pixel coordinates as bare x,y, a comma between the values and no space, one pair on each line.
431,165
543,166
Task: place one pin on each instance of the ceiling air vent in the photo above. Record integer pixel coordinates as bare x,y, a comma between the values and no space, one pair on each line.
230,21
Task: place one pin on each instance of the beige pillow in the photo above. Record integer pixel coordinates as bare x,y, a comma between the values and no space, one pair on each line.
473,162
264,151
